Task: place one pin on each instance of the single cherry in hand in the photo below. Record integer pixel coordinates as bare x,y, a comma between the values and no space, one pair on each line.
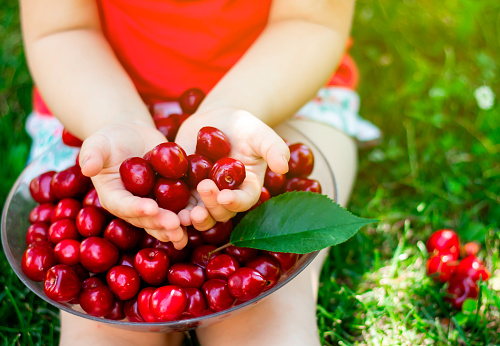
212,143
138,176
198,169
228,173
170,160
274,182
168,126
171,194
191,99
301,161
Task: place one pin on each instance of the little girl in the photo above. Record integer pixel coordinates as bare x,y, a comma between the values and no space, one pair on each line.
101,66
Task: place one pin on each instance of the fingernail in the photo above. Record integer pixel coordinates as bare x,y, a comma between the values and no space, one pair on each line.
85,161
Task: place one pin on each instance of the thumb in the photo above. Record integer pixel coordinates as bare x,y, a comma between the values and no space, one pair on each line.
273,149
94,154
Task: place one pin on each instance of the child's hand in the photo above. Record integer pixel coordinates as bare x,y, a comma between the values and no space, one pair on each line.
100,158
253,143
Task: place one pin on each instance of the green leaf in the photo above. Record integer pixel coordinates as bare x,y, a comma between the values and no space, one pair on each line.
298,222
469,306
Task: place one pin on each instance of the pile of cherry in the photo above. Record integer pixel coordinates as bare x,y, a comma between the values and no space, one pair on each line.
86,256
445,266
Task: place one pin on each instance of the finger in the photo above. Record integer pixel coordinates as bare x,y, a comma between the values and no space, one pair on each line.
176,235
273,149
164,221
244,197
208,192
94,154
179,245
185,217
201,219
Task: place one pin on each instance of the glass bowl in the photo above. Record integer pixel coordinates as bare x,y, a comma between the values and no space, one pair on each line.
19,204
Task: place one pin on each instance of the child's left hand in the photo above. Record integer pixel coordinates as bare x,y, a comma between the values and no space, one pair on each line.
254,143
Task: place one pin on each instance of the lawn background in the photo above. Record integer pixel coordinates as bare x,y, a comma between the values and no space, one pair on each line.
438,166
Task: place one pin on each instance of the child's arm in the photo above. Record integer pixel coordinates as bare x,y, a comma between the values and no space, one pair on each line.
91,94
284,68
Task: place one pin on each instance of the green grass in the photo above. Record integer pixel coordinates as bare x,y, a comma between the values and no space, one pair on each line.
437,167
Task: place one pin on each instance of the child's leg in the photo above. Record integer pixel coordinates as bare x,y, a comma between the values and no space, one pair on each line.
79,331
288,317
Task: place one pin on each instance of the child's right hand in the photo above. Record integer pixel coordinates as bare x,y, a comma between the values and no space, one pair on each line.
100,158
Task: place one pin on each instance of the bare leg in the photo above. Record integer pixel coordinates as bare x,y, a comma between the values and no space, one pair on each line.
288,317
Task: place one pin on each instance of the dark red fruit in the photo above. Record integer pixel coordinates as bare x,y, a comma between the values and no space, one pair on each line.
63,229
274,182
168,303
61,283
71,140
246,283
126,259
168,127
96,298
269,267
228,173
219,234
97,255
42,213
461,288
69,183
217,294
186,275
191,99
123,281
194,238
169,160
147,241
131,310
39,231
171,194
264,196
36,260
199,168
301,161
138,176
200,255
90,221
221,267
472,267
117,313
68,252
212,143
144,306
91,199
441,266
40,188
67,208
303,184
287,260
82,273
242,254
122,234
196,304
152,265
174,255
444,239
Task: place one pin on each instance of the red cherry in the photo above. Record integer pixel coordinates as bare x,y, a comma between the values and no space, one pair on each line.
219,234
138,176
472,267
71,140
269,267
246,283
67,208
97,255
191,99
444,239
171,194
68,252
69,183
303,184
96,298
152,265
174,255
42,213
126,259
287,260
194,238
122,234
168,302
168,127
61,283
228,173
186,275
200,255
147,241
461,288
170,160
212,143
274,182
264,196
242,254
131,310
198,169
196,304
37,232
40,188
301,161
117,313
144,306
92,282
83,274
123,281
90,221
91,199
36,260
63,229
217,294
441,266
221,267
181,117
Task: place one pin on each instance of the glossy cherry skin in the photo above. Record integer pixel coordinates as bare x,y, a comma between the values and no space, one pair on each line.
138,176
36,260
242,254
174,255
219,234
144,306
123,281
274,182
91,199
97,255
303,184
287,260
69,183
71,140
196,304
246,283
444,239
168,127
228,173
170,160
221,267
61,283
194,238
147,241
217,294
459,289
301,161
40,188
198,169
152,265
66,208
68,252
96,298
90,221
472,267
212,143
82,273
200,255
122,234
131,310
191,99
269,267
168,302
39,231
171,194
63,229
186,275
126,259
117,311
42,213
441,266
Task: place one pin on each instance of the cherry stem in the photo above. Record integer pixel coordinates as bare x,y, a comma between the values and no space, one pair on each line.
219,249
